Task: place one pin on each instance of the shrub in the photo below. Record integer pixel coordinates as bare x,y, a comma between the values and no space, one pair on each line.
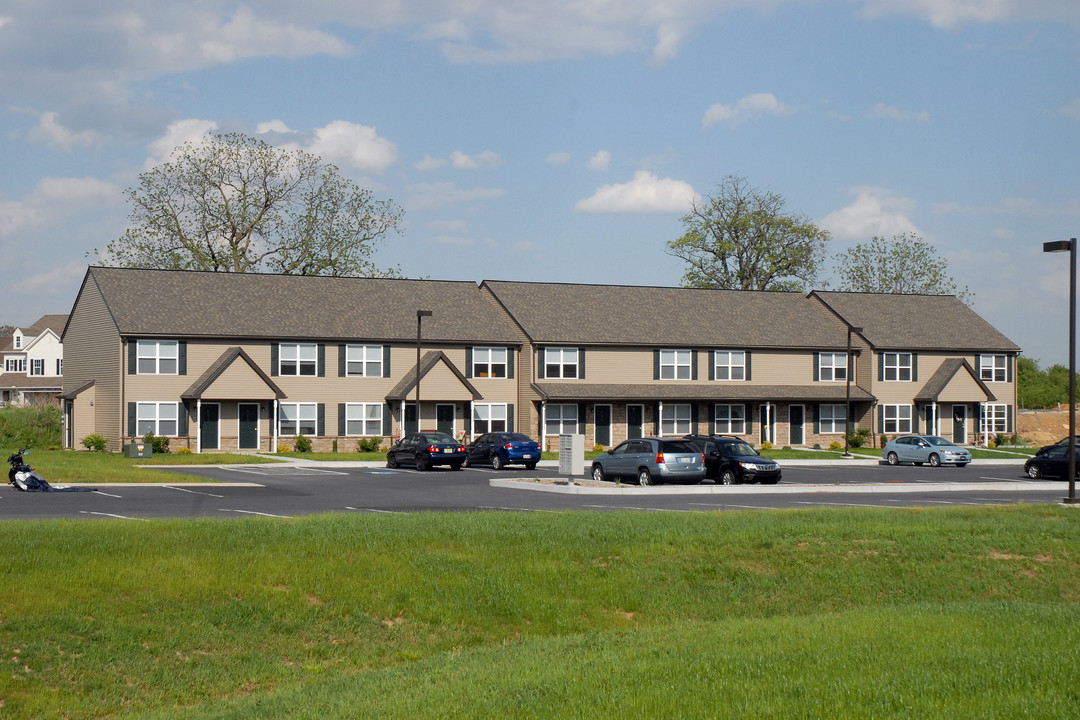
94,442
158,443
766,445
597,447
835,445
303,444
183,451
333,447
884,439
859,437
368,444
283,449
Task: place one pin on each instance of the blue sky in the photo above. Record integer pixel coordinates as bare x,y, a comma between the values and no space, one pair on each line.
563,141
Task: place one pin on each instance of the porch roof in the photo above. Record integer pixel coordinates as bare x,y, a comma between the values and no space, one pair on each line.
956,380
831,393
245,380
427,364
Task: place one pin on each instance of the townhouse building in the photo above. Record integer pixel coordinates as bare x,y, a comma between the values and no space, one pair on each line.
247,362
32,371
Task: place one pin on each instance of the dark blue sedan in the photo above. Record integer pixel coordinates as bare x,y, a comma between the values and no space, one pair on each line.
499,449
425,450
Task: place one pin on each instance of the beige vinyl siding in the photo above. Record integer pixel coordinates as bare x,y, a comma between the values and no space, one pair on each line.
774,367
93,352
238,381
961,389
615,365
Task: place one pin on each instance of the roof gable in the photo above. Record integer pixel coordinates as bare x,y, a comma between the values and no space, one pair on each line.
441,370
233,375
954,381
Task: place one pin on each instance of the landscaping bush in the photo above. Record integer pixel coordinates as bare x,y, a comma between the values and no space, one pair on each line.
368,444
303,444
94,442
858,438
158,443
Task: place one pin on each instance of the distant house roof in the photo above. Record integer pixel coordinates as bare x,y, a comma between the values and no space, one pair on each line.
55,323
30,383
665,316
916,322
175,303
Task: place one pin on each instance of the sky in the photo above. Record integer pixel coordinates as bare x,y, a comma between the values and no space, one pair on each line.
564,141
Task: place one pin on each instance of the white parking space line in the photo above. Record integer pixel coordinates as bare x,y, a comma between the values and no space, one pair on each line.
193,492
102,492
119,517
252,512
634,507
374,510
838,504
733,505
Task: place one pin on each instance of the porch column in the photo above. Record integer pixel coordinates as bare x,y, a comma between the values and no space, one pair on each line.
273,426
198,425
543,424
933,414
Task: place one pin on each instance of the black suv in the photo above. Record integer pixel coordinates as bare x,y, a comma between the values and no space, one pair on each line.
731,461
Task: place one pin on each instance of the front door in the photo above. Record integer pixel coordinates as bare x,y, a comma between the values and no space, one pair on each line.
959,424
602,418
410,419
249,426
635,421
444,419
209,426
796,426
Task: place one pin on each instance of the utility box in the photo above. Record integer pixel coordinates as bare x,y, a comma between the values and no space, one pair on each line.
140,450
571,455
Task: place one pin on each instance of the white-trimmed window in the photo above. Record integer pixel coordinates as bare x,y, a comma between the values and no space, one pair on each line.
561,419
18,342
59,366
730,419
362,419
897,368
160,418
491,417
831,419
992,368
15,365
832,366
158,357
37,366
729,364
298,359
361,361
995,418
675,364
675,420
490,362
561,362
298,419
896,418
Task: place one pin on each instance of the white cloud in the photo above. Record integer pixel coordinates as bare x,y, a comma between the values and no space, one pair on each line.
1071,109
646,193
358,146
430,164
557,158
486,159
429,195
875,211
273,126
745,110
191,130
947,13
888,112
53,134
599,161
54,281
53,199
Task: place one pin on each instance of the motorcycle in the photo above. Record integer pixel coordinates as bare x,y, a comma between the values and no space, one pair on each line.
26,478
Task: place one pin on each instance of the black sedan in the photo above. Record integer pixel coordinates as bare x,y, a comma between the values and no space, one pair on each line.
731,461
1051,461
425,450
500,449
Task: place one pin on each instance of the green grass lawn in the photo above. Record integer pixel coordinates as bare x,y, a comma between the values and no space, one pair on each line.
907,613
69,466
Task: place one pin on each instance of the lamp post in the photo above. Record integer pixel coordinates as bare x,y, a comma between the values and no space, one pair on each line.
420,315
1070,246
847,395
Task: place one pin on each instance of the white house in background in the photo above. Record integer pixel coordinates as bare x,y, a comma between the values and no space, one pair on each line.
33,363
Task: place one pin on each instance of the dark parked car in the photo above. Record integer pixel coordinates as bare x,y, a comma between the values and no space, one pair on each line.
1063,442
425,450
1050,461
651,461
731,460
919,449
499,449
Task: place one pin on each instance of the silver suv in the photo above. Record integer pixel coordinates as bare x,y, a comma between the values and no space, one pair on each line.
651,461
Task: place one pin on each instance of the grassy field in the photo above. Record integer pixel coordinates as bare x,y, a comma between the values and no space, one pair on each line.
920,613
68,466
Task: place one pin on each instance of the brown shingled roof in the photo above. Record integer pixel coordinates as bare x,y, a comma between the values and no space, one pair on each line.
740,392
249,305
651,316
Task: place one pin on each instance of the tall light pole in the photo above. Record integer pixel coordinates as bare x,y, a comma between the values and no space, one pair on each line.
420,315
847,395
1070,246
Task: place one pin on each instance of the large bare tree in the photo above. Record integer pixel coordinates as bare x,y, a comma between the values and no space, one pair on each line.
233,203
742,238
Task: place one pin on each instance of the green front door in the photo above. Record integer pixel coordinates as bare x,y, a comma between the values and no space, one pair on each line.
209,426
249,426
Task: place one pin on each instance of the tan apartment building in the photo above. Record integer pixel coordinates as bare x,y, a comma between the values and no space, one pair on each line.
248,362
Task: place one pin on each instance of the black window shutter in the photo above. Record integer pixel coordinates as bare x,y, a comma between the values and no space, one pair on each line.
341,362
468,362
386,363
581,418
468,418
320,421
341,419
510,353
817,366
914,367
387,414
693,364
273,359
510,417
748,413
656,364
1010,360
978,366
322,360
712,365
182,421
581,363
133,358
694,413
181,361
881,418
817,418
712,419
881,367
540,365
746,359
131,419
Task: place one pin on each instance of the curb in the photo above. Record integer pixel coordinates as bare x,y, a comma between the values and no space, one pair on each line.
770,489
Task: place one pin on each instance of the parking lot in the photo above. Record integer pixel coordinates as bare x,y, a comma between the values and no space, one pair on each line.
295,490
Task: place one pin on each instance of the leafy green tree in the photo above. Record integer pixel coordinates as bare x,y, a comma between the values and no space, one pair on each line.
233,203
742,238
1042,388
907,265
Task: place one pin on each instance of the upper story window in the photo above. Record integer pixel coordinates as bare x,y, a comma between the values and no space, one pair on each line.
37,366
15,365
158,357
832,366
729,364
59,366
490,362
675,364
896,367
299,359
993,368
360,361
560,362
18,342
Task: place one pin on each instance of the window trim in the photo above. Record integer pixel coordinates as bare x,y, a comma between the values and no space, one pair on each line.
832,366
993,367
897,419
897,367
562,420
837,417
680,413
157,419
367,352
491,420
563,353
674,363
299,360
39,363
364,420
490,363
297,405
730,366
727,425
157,357
989,414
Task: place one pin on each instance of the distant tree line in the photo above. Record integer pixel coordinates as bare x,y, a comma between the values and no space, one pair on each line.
1042,388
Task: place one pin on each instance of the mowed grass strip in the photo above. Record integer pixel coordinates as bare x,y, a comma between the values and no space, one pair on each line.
67,466
814,613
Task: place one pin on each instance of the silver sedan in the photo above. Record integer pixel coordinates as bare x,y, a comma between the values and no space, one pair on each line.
919,449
